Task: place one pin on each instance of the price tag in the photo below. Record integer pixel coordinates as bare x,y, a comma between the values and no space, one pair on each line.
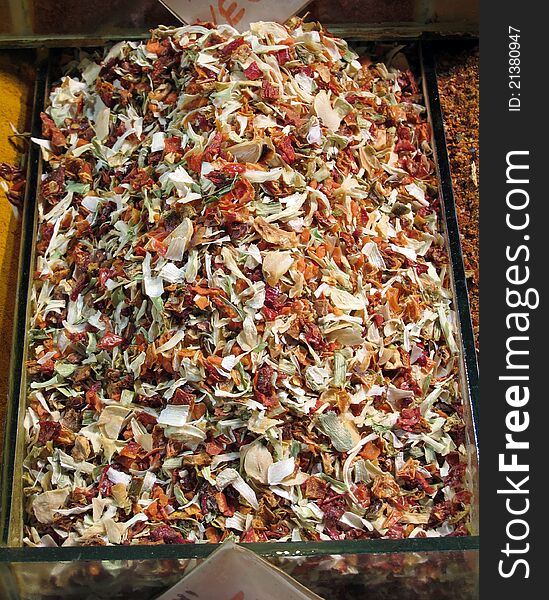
238,13
234,573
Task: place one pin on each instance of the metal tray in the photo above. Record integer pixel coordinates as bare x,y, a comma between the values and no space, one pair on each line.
451,557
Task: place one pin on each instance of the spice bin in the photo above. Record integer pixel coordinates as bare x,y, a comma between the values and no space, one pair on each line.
445,567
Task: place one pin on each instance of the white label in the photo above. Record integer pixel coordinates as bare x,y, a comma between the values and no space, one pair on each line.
234,573
238,13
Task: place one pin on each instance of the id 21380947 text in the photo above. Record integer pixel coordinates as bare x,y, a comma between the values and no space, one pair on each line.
513,58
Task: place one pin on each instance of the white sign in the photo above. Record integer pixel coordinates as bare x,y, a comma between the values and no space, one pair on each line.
238,13
235,573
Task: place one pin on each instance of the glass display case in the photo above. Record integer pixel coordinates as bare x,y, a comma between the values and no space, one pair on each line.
420,568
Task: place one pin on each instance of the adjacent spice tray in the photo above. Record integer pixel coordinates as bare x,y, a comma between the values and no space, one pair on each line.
453,559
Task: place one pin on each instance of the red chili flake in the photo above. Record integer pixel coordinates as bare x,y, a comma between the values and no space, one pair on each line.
408,418
334,87
146,418
404,133
423,132
418,166
49,430
253,72
232,46
92,398
421,268
313,336
157,246
213,149
404,146
104,275
194,161
423,483
422,359
395,532
363,495
333,508
139,179
234,168
315,488
105,484
110,341
352,98
105,91
78,287
463,497
269,313
455,475
283,56
131,450
46,232
243,190
51,131
273,298
286,150
167,535
217,177
441,511
268,401
269,91
378,320
172,144
213,373
250,536
263,380
47,367
223,505
81,256
213,448
182,397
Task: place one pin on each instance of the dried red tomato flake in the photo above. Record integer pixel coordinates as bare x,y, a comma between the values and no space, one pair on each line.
263,380
104,275
217,177
78,287
194,161
408,418
269,91
253,72
283,56
232,46
49,430
166,534
234,168
286,150
269,313
213,448
110,341
172,144
378,320
395,532
105,484
182,397
421,268
213,149
156,245
313,336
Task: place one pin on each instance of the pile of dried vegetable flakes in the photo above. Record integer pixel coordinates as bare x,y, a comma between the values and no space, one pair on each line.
241,324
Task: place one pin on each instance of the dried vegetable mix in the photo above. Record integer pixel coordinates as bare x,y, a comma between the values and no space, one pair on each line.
241,324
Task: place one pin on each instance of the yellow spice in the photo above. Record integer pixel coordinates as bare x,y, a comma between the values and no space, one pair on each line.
16,84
